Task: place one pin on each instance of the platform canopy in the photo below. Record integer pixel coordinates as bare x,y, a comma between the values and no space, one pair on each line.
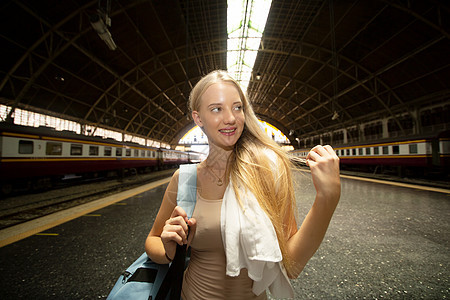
130,65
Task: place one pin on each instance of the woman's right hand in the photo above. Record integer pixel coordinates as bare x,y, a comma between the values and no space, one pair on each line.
175,231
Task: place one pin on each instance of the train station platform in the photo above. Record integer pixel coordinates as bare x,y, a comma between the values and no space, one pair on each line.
385,241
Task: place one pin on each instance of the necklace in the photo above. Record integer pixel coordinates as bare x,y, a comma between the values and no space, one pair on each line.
219,180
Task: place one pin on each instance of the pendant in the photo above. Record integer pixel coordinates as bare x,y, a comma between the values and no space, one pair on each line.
219,182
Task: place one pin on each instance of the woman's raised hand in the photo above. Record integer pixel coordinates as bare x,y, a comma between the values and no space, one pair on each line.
324,165
175,231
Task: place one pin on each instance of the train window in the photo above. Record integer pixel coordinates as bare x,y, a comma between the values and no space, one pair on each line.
107,151
385,149
413,149
128,152
26,147
93,150
353,151
368,151
149,154
143,153
118,151
348,152
136,152
396,149
53,148
376,150
76,149
360,151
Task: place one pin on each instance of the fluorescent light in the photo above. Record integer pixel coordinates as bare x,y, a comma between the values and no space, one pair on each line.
335,116
101,29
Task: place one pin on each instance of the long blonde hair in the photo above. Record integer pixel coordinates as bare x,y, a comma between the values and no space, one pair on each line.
250,166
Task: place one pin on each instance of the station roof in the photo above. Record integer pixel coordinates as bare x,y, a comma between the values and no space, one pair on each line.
380,58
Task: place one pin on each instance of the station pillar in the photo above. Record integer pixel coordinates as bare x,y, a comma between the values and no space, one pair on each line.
384,123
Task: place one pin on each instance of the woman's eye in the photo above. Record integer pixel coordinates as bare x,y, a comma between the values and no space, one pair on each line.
238,107
215,109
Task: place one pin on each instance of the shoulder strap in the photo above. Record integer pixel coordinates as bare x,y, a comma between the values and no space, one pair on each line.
187,188
186,198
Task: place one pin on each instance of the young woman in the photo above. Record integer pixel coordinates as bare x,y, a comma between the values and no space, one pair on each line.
244,238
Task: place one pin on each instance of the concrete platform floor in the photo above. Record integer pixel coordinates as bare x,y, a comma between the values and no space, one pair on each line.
383,242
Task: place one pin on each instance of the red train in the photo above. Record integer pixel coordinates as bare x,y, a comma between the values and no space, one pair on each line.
412,155
37,157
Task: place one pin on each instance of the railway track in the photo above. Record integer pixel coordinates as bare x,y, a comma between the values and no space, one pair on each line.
23,208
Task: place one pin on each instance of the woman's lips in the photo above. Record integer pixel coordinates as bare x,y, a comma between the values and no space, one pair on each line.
228,131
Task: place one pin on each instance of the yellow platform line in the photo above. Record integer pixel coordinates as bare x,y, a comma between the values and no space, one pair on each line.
406,185
16,233
48,234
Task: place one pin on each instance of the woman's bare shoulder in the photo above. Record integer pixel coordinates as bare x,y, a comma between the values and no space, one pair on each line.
173,184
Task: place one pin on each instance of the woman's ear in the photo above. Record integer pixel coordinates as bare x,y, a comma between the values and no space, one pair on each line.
197,119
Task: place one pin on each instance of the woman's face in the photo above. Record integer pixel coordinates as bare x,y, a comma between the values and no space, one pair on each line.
221,115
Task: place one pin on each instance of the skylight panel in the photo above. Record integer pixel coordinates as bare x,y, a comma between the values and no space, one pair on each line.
245,26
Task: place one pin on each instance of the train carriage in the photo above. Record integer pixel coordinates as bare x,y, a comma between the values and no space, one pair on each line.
417,154
173,157
444,149
38,157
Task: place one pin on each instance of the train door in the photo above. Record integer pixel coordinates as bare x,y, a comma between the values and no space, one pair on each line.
435,155
160,157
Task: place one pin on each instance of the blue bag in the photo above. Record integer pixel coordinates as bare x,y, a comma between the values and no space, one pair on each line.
143,279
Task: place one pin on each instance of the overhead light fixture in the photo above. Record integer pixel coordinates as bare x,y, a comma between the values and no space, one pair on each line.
335,116
101,29
258,76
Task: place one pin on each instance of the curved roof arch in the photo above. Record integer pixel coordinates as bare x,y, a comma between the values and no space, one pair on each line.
389,57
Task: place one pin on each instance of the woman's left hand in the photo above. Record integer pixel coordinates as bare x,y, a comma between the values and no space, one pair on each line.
324,165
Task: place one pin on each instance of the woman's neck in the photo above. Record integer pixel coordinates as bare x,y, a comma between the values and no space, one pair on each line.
218,158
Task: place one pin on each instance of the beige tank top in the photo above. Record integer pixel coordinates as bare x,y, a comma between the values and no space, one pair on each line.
205,276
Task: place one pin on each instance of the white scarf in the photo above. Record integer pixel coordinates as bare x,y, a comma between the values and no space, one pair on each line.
250,242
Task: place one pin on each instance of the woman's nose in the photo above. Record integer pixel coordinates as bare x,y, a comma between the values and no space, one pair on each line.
229,117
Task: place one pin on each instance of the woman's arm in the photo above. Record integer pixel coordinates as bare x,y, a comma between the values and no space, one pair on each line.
170,226
324,165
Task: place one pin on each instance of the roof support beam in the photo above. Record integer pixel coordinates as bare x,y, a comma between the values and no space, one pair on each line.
56,52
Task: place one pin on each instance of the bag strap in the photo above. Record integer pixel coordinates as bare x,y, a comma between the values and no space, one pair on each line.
187,188
186,198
